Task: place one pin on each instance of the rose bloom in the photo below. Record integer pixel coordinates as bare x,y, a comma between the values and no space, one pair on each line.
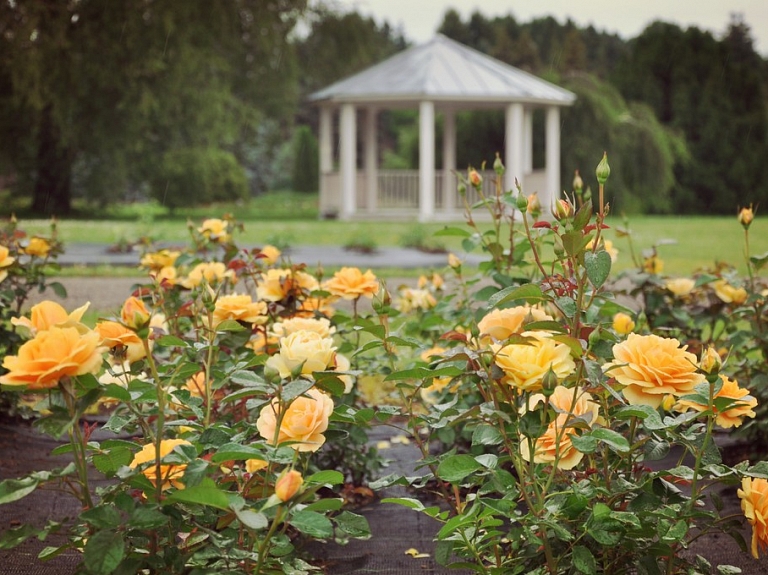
526,364
269,255
343,364
276,285
303,424
733,416
680,287
754,504
120,340
48,314
160,259
414,299
312,306
37,247
436,282
291,325
351,283
52,355
215,230
500,324
165,277
623,324
253,465
134,313
653,265
306,349
211,272
5,261
651,367
240,308
729,294
170,474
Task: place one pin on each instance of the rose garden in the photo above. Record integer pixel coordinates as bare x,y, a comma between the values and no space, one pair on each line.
235,391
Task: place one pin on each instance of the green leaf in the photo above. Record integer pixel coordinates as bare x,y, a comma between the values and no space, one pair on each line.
116,392
446,231
485,434
254,520
531,293
312,524
408,502
454,468
584,443
353,525
424,373
205,493
326,477
102,517
614,440
235,451
598,266
296,388
326,504
109,462
15,489
171,341
147,518
103,552
16,536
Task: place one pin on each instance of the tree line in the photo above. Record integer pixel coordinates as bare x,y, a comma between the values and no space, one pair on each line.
196,101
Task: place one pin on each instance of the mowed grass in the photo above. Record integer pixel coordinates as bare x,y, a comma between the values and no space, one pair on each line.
685,244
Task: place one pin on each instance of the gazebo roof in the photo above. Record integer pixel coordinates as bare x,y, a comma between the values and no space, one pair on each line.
443,70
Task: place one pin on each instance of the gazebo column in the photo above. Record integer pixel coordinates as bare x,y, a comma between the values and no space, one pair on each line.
348,162
449,161
426,161
552,157
528,144
514,135
371,161
326,154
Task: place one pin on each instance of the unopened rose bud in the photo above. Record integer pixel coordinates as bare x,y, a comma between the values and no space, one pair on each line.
668,402
134,313
454,261
288,485
462,189
623,323
603,169
498,167
534,206
746,215
563,210
578,183
475,178
549,383
522,202
711,362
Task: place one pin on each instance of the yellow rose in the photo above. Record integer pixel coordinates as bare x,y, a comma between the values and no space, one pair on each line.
651,367
500,324
474,178
37,247
134,313
240,308
305,350
343,364
158,260
5,261
754,504
303,424
746,215
454,261
680,287
653,265
733,416
276,285
215,230
623,323
292,325
48,314
288,485
254,465
211,272
53,354
526,364
729,294
269,255
350,283
165,277
123,342
170,474
411,299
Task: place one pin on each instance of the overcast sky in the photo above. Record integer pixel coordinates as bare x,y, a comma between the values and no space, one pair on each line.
419,19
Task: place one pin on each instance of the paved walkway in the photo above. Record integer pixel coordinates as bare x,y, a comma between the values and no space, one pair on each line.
85,254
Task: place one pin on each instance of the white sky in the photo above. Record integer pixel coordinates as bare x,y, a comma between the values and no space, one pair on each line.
419,19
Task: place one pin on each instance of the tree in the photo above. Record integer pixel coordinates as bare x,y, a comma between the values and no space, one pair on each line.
306,170
105,89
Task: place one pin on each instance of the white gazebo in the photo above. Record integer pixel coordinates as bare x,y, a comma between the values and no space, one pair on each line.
441,76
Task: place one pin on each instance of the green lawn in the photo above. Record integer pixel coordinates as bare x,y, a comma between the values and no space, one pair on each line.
684,243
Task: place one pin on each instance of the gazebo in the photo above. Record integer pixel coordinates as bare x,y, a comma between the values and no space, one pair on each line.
441,76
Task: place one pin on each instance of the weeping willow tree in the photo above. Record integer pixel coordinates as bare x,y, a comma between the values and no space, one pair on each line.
643,153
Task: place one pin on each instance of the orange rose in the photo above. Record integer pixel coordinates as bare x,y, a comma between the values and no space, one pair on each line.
303,424
240,308
526,364
754,504
48,314
351,283
134,313
499,324
253,465
53,354
170,474
276,285
5,261
288,485
731,417
651,367
121,340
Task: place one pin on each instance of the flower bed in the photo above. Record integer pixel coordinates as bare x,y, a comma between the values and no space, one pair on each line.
537,400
